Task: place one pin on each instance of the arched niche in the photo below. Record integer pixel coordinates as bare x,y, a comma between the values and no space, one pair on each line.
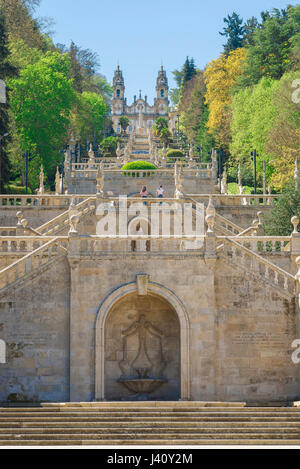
161,307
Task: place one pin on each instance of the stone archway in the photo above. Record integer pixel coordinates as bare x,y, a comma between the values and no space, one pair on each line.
148,293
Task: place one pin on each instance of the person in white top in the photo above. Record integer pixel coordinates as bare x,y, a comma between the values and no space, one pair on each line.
160,193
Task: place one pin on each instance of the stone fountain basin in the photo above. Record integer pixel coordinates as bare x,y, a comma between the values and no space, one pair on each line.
142,385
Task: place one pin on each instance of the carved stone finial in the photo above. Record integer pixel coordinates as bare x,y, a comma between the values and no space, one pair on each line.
24,223
74,220
210,208
295,222
19,217
210,220
259,217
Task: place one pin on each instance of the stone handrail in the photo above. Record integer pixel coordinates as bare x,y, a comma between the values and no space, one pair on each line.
220,200
145,173
252,262
265,244
58,223
32,262
21,244
221,222
47,200
8,231
136,243
227,225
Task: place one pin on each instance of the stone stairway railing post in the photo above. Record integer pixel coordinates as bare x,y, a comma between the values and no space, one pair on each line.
210,254
295,240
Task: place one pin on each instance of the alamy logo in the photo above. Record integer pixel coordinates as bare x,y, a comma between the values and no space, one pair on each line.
296,353
142,219
296,93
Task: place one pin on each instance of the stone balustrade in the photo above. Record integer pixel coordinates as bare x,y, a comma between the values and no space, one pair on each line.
47,200
21,244
57,224
227,225
220,200
90,173
266,244
135,243
8,231
32,261
252,262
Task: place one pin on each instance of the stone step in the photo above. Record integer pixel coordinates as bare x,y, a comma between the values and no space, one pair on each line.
135,437
149,431
147,419
147,404
156,443
145,425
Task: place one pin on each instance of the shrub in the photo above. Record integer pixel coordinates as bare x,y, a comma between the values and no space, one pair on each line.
171,153
138,165
16,190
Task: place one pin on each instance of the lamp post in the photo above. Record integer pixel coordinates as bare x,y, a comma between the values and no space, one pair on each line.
220,154
254,156
1,138
28,159
62,170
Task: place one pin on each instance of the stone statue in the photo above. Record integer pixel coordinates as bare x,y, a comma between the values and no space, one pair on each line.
100,180
91,155
41,190
164,155
57,182
141,364
119,151
179,179
224,183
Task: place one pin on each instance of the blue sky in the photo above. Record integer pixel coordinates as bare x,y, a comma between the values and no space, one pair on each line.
141,34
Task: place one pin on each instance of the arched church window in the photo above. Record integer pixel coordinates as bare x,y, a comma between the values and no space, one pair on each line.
118,93
162,93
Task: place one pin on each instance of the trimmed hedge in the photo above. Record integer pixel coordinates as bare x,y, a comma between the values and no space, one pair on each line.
172,153
136,165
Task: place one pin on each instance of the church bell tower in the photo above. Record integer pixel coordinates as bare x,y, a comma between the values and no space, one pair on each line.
162,92
118,101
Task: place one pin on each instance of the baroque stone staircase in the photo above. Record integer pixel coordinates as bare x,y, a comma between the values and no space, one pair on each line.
149,423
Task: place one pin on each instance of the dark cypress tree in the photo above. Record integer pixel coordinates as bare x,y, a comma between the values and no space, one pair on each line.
234,31
188,71
6,71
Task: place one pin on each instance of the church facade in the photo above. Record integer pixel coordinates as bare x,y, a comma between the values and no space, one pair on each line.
140,113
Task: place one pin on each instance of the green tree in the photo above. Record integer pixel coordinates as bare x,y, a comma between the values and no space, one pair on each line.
41,99
278,223
234,31
160,124
109,146
250,27
88,117
253,115
271,52
6,71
